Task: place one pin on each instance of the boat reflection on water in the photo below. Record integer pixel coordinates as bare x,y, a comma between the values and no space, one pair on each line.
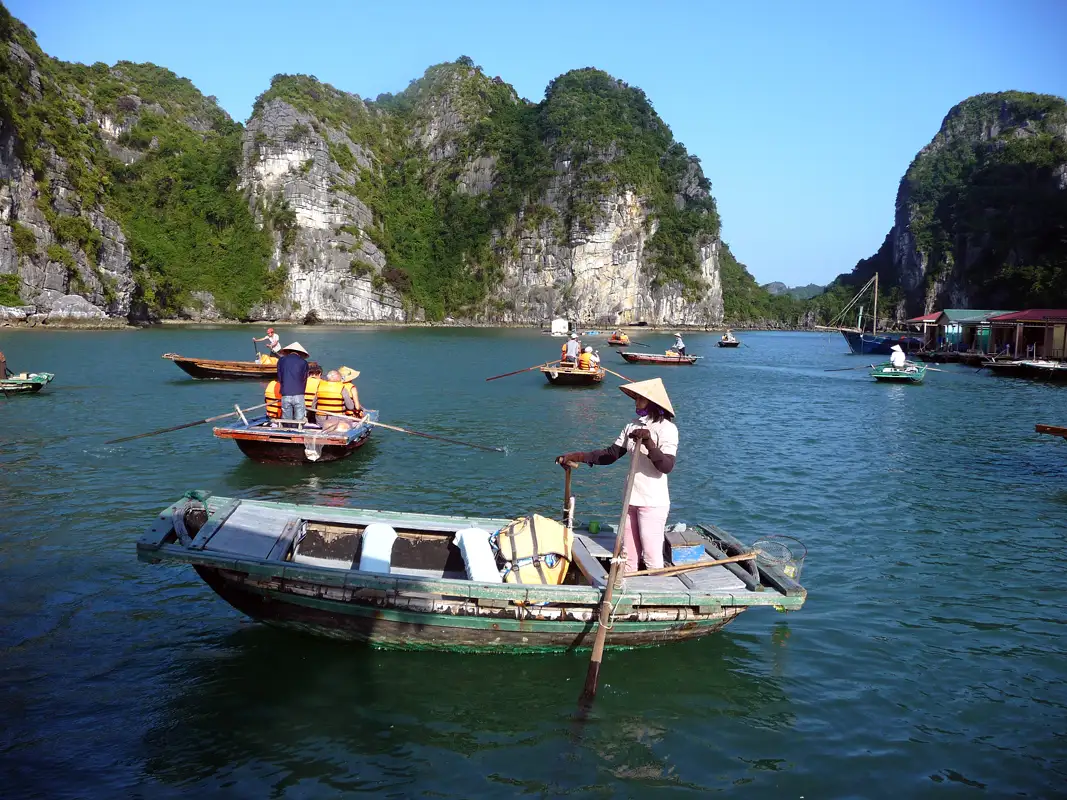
270,710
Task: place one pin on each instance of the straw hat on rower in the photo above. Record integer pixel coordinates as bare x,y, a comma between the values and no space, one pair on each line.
652,390
295,347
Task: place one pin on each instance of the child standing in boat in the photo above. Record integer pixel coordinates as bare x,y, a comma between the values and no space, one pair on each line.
655,434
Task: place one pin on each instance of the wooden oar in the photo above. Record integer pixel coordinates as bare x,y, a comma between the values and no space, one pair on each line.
413,433
617,375
845,369
640,344
179,427
516,372
597,656
676,568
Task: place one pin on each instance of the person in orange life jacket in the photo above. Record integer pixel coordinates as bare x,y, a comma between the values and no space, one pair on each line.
654,432
585,360
311,390
337,395
292,376
272,396
272,340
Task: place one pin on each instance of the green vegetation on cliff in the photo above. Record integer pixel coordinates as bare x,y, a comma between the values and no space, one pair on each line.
986,206
187,227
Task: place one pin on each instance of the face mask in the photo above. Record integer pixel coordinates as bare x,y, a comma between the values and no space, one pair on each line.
642,412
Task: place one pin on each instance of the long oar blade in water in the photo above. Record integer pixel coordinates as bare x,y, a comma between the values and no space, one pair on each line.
592,675
438,438
179,427
411,432
516,372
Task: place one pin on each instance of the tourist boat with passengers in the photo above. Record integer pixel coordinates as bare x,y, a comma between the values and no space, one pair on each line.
729,343
263,369
272,441
460,583
25,383
670,357
560,374
622,340
909,373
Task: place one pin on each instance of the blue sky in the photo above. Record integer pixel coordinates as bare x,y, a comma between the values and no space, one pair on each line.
805,115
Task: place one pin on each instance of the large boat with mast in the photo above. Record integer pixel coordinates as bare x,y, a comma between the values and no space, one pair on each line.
863,342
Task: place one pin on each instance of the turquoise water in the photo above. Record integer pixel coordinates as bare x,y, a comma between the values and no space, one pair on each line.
930,659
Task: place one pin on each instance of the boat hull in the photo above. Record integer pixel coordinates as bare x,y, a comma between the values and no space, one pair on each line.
886,373
1051,430
394,629
25,383
278,446
721,343
879,343
652,358
572,377
208,369
1038,370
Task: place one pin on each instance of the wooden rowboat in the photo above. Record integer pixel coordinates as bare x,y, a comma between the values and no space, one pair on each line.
657,358
25,383
305,568
560,375
1051,430
911,373
618,342
288,445
734,343
210,369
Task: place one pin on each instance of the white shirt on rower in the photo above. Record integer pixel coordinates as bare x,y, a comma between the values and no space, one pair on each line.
650,485
898,359
273,342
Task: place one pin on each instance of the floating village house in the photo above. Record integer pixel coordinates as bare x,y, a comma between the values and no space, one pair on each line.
957,330
1033,333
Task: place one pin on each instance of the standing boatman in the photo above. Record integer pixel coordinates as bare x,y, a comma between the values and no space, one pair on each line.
292,378
272,340
679,345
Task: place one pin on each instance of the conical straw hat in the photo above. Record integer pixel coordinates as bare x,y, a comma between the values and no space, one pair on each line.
296,347
348,374
652,390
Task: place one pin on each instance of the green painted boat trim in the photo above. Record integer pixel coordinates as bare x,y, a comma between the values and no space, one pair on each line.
887,372
152,549
25,383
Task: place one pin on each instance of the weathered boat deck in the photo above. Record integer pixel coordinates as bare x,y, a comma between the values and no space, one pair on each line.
247,551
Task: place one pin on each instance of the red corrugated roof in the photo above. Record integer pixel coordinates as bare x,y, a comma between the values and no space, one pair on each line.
1033,315
926,317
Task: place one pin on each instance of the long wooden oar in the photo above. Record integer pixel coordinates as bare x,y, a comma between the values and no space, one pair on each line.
179,427
593,674
676,568
640,344
617,375
516,372
845,369
413,433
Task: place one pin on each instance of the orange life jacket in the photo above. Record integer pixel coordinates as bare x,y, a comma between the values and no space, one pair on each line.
273,398
330,398
585,361
310,390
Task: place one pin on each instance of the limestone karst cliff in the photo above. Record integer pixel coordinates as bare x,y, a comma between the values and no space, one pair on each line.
981,213
128,194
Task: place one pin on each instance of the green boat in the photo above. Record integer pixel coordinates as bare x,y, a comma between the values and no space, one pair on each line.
325,570
25,383
910,373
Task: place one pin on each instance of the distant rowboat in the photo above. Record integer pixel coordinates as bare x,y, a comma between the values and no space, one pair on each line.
912,373
1052,430
656,358
210,369
729,342
25,383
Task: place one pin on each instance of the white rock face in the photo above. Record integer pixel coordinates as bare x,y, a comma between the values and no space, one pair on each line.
334,269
